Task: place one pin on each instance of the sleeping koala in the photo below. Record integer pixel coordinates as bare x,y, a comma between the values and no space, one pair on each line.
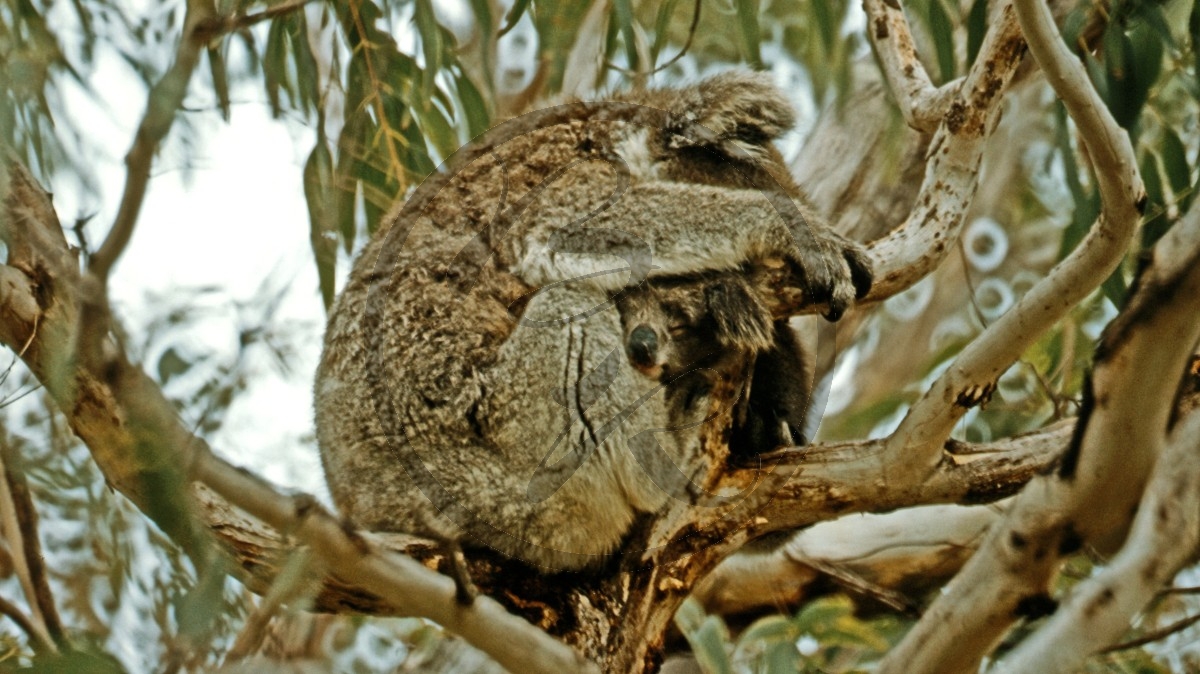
697,326
478,384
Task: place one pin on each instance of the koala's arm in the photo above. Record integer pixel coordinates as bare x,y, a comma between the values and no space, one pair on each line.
665,228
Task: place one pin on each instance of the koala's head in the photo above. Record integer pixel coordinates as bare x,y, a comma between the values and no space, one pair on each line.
720,130
674,326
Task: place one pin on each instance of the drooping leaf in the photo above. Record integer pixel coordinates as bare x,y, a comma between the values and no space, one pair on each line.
748,28
1175,164
827,27
514,16
662,22
623,20
319,194
976,29
1155,223
220,78
942,32
274,64
473,105
486,23
431,44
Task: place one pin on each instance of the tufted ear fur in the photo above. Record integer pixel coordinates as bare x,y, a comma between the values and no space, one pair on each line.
736,113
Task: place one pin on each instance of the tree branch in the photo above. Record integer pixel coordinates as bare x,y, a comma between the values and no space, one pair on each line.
902,553
164,99
969,381
922,104
37,639
1091,496
1164,539
915,248
33,565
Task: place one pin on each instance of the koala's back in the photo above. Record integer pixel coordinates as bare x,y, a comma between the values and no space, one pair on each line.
475,383
413,378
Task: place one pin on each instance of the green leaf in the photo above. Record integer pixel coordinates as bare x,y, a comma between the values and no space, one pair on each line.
1155,224
747,14
1194,35
307,80
274,64
662,23
514,16
708,645
770,628
942,32
827,27
220,78
976,29
473,105
438,131
319,194
431,44
1175,163
484,20
1115,288
171,364
623,18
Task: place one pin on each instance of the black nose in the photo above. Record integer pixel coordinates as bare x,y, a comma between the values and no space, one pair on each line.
643,346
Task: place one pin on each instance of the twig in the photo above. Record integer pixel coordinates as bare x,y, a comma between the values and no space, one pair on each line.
41,645
922,104
220,25
164,99
296,576
14,530
1155,635
27,521
687,44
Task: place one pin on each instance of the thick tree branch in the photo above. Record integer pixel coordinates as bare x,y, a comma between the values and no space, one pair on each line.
1093,493
902,553
1164,539
970,380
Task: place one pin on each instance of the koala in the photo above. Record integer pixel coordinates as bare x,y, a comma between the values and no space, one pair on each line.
694,325
483,379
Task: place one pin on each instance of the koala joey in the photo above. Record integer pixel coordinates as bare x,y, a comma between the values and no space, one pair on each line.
684,332
486,379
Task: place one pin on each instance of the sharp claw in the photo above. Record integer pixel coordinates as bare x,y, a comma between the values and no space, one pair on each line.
861,274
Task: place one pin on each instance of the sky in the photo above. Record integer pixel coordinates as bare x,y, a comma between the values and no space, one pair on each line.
231,217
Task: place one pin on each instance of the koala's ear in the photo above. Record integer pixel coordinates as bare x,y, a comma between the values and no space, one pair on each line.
735,112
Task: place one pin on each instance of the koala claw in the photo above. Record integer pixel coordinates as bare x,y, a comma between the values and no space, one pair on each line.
836,271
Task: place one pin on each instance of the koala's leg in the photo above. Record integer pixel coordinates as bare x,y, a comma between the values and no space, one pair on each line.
562,403
663,229
780,392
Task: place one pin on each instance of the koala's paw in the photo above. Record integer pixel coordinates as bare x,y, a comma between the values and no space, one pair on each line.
835,270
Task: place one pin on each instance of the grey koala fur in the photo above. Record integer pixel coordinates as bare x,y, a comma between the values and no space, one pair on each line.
475,385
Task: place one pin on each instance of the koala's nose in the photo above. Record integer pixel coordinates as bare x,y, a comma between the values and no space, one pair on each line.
643,347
